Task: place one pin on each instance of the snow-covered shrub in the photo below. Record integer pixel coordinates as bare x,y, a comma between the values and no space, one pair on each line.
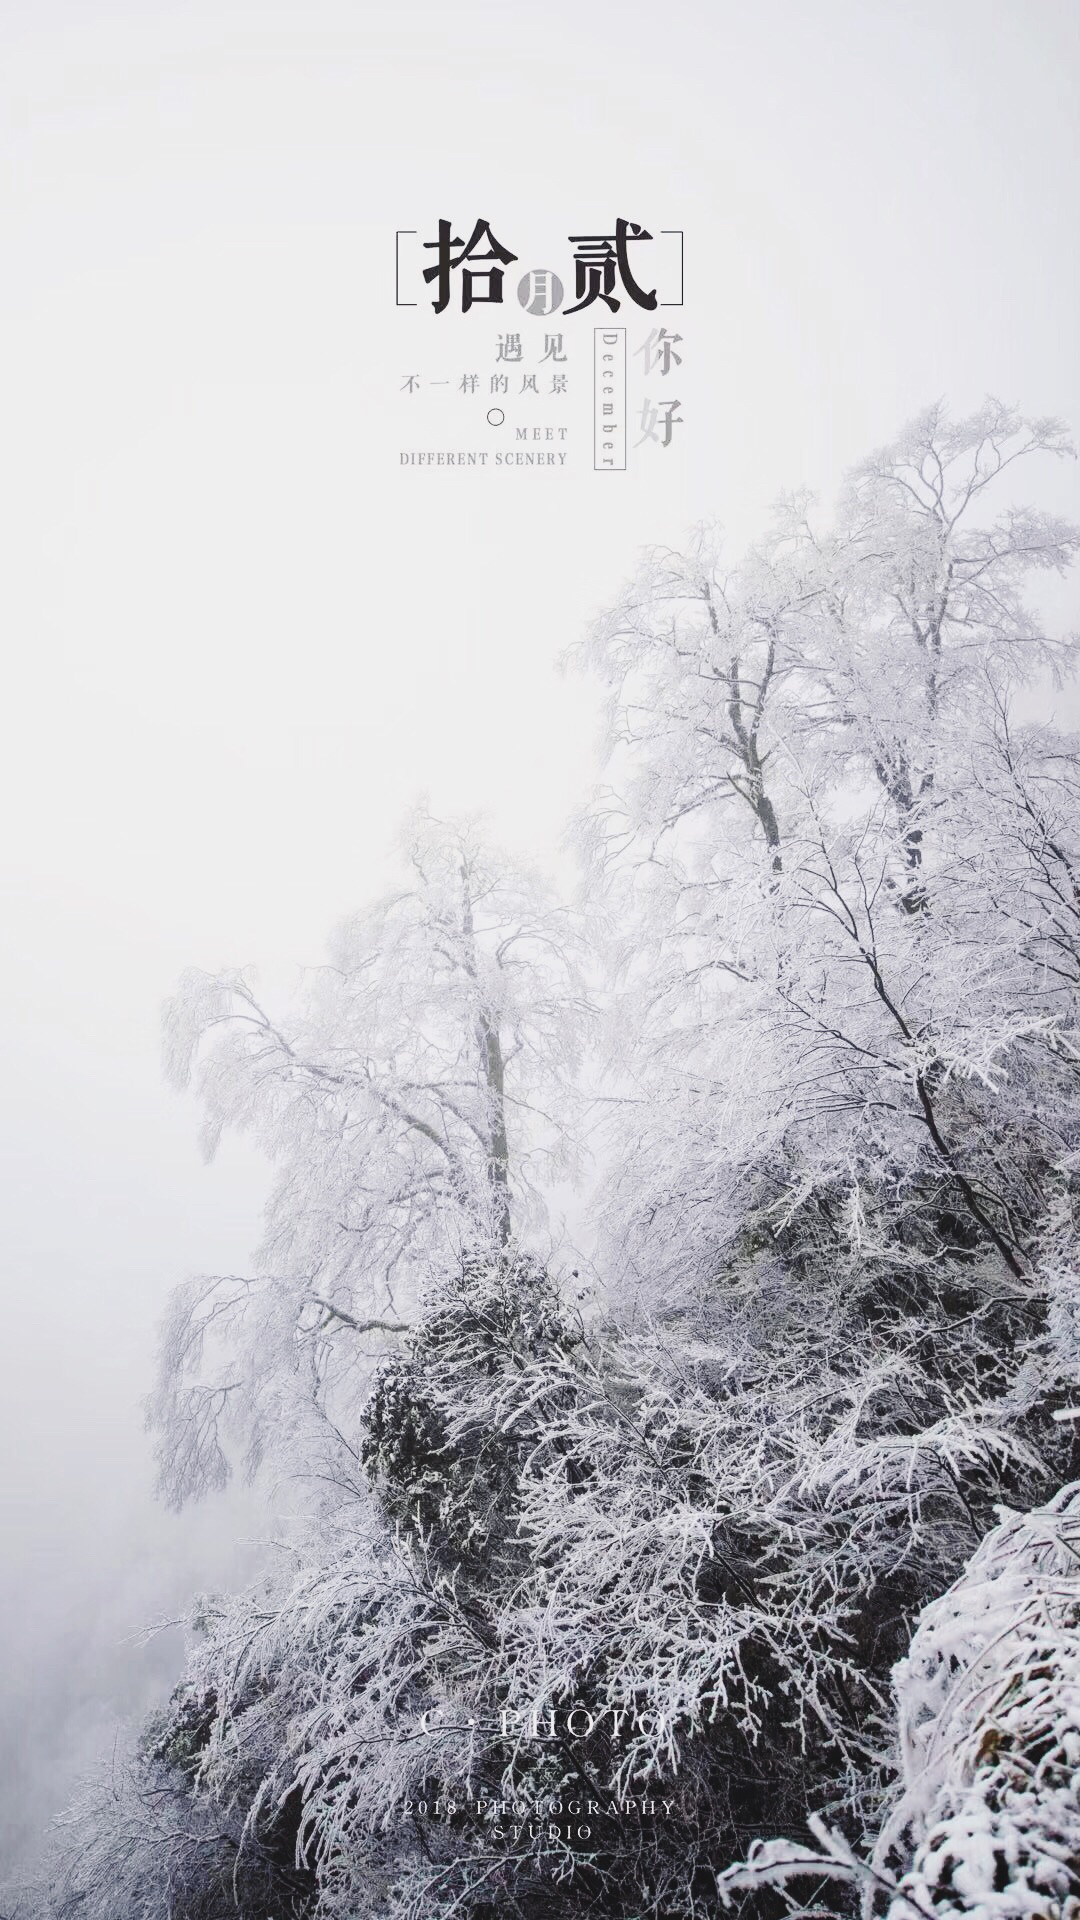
989,1700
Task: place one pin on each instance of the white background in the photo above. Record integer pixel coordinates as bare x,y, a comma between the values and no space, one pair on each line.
239,639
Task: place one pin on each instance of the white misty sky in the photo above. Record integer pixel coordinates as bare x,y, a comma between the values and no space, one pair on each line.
239,640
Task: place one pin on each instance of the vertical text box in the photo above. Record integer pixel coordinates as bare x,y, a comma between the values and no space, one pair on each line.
609,399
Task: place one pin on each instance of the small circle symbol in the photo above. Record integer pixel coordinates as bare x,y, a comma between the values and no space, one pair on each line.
496,416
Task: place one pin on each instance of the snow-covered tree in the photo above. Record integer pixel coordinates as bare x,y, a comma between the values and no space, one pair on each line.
863,645
986,1819
414,1103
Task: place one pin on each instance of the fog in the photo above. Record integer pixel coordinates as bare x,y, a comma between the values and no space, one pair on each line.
240,640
